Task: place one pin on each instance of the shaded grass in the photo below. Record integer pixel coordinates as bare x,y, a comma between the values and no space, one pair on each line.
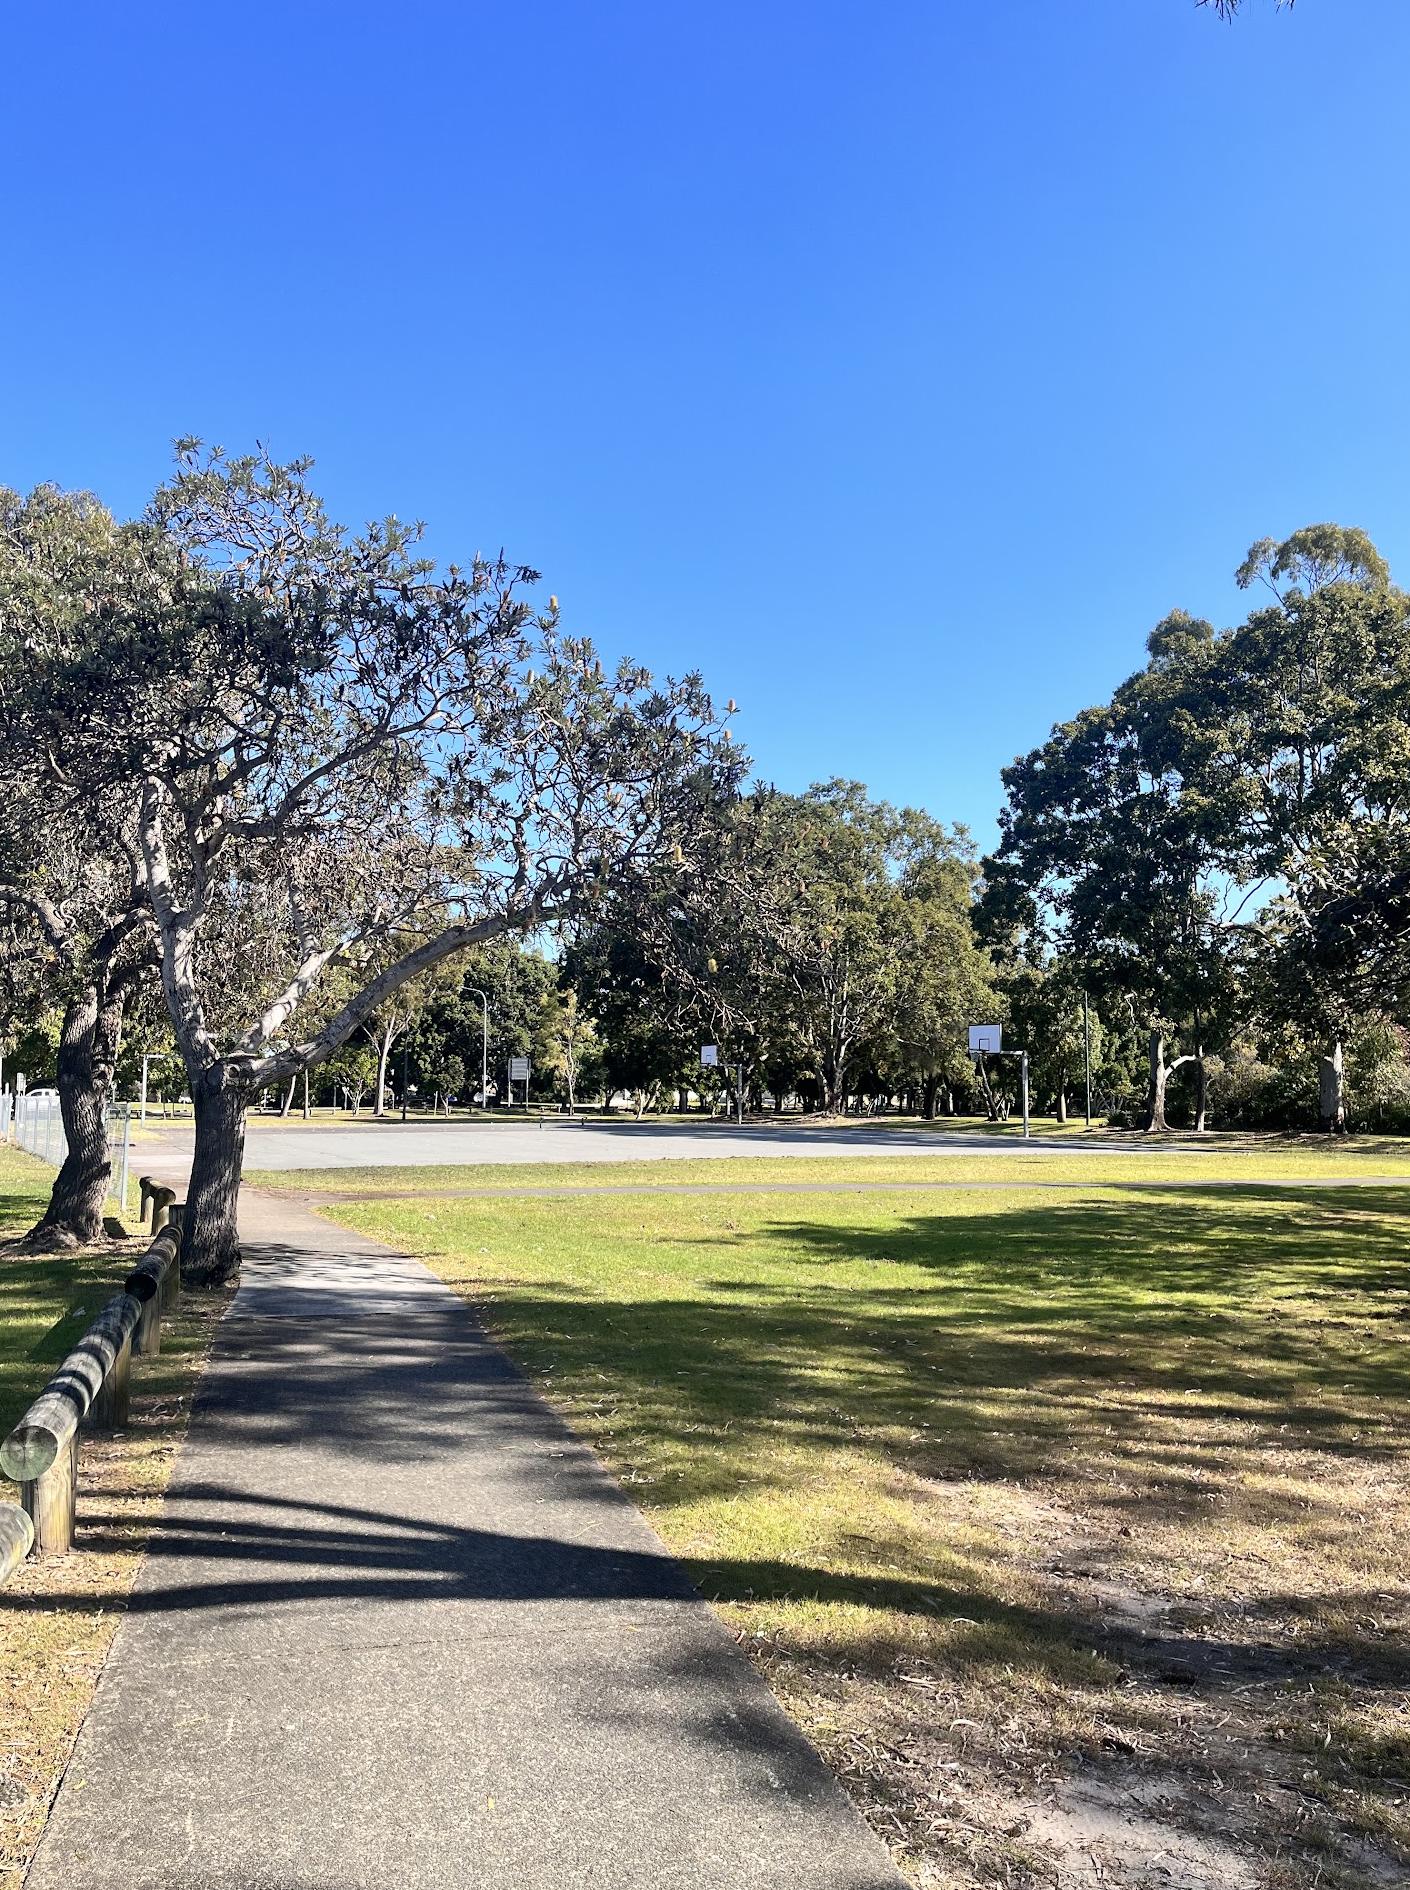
1014,1490
51,1654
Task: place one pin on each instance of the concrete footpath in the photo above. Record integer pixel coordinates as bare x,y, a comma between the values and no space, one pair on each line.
399,1628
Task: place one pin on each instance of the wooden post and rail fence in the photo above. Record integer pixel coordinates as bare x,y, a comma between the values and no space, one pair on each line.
91,1390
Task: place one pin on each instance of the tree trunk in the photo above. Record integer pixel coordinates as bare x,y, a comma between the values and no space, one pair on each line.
210,1244
87,1052
384,1057
1201,1093
306,1107
1331,1086
1062,1105
930,1098
288,1102
991,1107
1159,1077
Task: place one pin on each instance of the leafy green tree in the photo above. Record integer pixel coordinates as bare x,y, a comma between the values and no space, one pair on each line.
1103,855
642,1023
823,942
567,1044
368,747
943,977
1290,735
1047,1017
79,927
352,1070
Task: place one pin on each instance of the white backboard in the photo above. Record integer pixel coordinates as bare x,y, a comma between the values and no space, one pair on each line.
518,1069
988,1038
709,1056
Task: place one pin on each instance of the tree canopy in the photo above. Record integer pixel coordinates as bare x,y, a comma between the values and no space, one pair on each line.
322,737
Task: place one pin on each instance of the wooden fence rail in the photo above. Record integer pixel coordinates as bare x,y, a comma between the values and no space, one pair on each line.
92,1385
159,1198
152,1283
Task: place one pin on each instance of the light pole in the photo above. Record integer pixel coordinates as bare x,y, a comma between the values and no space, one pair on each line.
149,1056
475,990
1087,1051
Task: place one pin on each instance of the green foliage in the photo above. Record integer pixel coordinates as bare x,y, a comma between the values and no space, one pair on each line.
34,1048
1226,844
822,941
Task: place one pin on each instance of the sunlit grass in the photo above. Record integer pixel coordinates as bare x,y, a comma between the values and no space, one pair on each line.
1011,1461
1304,1159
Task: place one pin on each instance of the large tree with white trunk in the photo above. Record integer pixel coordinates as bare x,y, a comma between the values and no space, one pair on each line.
357,760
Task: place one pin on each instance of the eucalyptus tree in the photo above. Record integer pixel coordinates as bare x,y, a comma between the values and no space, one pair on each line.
944,976
1102,854
71,895
816,939
566,1043
95,949
683,956
1292,733
644,1013
1047,1016
827,894
390,761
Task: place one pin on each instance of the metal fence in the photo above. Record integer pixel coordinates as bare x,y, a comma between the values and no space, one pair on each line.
36,1123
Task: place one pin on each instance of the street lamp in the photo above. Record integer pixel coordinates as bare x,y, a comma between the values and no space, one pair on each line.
475,991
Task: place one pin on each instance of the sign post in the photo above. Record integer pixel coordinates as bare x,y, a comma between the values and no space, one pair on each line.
519,1073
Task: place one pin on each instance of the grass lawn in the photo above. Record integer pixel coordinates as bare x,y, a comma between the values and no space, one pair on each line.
1232,1158
57,1617
1071,1526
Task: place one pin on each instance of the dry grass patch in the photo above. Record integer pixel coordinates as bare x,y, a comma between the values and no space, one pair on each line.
1071,1527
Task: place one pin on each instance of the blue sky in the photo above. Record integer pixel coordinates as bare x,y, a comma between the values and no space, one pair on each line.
897,365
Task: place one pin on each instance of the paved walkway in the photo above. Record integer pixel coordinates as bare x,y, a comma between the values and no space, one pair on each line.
399,1628
271,1143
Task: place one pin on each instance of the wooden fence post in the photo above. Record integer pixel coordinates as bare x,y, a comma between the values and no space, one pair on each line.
41,1452
151,1284
110,1408
50,1500
171,1279
147,1336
